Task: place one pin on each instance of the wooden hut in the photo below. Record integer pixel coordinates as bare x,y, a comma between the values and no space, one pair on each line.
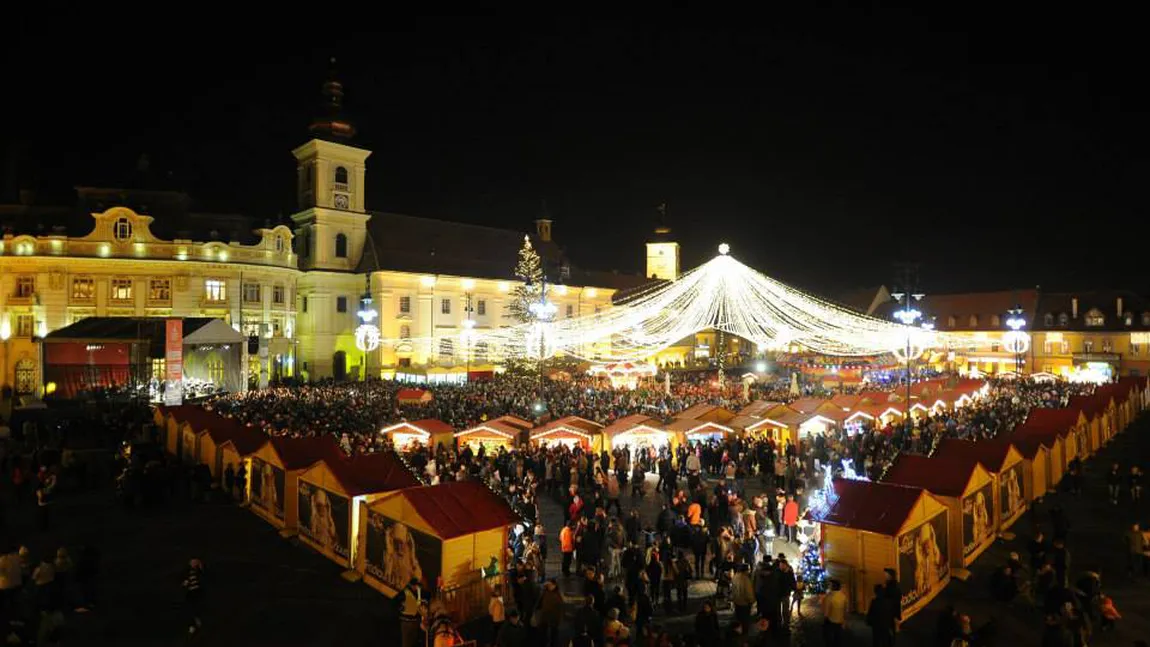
236,452
875,526
1089,430
274,475
441,535
696,430
329,496
523,427
571,431
967,490
428,432
173,418
413,396
493,435
706,413
1069,424
1035,465
1004,462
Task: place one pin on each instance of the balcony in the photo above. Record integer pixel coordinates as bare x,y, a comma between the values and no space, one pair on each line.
1097,357
18,299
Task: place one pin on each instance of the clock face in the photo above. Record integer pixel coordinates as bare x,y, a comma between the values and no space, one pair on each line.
340,201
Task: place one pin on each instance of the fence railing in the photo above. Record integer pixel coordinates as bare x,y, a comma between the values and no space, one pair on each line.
468,601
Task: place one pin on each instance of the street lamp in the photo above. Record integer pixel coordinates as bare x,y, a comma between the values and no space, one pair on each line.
543,311
1016,340
5,335
908,315
367,337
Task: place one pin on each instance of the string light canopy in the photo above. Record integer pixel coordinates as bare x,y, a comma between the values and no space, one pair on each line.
723,294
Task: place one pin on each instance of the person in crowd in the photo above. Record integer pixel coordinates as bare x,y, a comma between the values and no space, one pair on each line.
880,617
834,615
512,633
194,594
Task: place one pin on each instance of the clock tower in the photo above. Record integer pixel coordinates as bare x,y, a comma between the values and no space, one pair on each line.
331,224
662,250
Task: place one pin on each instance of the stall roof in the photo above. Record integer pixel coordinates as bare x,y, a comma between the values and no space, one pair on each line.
125,329
939,476
514,421
991,453
498,426
807,405
1029,444
686,426
372,473
570,422
706,413
1093,404
1057,420
298,453
458,508
881,508
629,422
431,426
410,394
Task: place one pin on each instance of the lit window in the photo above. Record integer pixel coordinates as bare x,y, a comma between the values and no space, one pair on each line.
83,289
405,332
1065,348
405,304
1095,318
278,294
480,351
251,292
340,246
279,243
1063,319
951,321
25,325
1107,345
973,322
160,290
341,304
123,230
1134,350
445,306
1088,345
121,290
215,290
25,286
446,349
1129,317
995,321
481,307
1146,318
1048,320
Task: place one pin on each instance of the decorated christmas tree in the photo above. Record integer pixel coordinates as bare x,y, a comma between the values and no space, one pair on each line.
529,270
813,573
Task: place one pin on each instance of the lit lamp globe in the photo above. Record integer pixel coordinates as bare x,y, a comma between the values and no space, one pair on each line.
724,249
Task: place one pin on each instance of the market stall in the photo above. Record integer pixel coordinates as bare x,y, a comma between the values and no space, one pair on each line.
1070,426
571,431
639,432
428,432
330,493
172,418
1004,462
413,396
440,535
1035,465
492,435
875,526
274,475
696,431
967,490
236,452
221,430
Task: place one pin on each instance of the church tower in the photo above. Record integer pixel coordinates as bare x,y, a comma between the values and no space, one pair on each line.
331,224
662,251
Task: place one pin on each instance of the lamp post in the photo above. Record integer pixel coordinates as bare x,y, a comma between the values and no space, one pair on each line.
908,315
5,334
468,334
543,311
1016,340
367,337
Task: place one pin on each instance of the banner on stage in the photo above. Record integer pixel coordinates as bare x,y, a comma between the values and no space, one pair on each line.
174,362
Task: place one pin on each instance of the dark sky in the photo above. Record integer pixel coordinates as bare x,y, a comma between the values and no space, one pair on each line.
997,150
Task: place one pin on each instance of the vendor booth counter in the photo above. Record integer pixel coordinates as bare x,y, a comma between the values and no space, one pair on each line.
966,489
639,432
875,526
451,537
493,436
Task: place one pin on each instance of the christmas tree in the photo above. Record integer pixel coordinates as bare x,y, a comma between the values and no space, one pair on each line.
529,270
814,575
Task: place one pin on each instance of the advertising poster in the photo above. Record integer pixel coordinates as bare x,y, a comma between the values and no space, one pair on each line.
977,519
324,518
395,553
268,487
922,560
1010,499
174,362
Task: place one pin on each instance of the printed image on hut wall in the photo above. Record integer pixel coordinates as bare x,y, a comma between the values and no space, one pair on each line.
324,518
976,525
396,554
1010,491
922,560
268,487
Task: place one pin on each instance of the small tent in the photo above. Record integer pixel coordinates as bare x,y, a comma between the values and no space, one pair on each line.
275,470
1004,462
329,494
428,432
967,490
875,526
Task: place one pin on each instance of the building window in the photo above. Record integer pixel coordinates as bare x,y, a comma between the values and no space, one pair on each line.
481,352
1129,318
83,289
973,321
481,307
1146,318
1065,348
405,332
570,310
1107,345
25,286
159,367
1047,348
445,306
1094,318
446,350
951,321
1063,319
123,230
340,246
341,176
303,303
341,304
994,348
1134,350
121,290
405,305
25,325
1088,345
25,376
279,243
251,292
160,290
995,321
278,295
1048,320
215,291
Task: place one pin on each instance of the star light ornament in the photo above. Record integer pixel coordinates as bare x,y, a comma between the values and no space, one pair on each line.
367,337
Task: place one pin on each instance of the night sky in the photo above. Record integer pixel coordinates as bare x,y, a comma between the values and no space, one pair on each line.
822,147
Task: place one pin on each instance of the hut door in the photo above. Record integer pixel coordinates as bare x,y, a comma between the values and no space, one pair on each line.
339,366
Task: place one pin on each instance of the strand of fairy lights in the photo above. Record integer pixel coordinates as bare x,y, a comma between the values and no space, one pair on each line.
722,294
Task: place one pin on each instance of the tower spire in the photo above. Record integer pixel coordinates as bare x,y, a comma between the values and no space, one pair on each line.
331,124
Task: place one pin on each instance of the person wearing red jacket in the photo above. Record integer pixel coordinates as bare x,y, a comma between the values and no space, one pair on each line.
791,518
567,547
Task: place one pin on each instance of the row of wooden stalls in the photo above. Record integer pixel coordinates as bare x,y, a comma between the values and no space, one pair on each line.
931,517
369,513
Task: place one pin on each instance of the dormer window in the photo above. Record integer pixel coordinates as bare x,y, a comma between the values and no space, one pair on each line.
995,321
1146,318
1129,318
1063,319
1048,320
1095,318
122,229
279,244
951,321
973,321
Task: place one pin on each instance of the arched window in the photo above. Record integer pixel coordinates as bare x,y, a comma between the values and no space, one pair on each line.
951,321
279,243
123,229
340,175
1095,318
1048,319
340,246
973,322
446,350
995,321
1063,319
